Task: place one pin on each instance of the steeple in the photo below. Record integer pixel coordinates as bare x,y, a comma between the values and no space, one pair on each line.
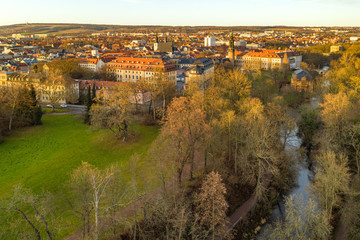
231,53
231,41
156,44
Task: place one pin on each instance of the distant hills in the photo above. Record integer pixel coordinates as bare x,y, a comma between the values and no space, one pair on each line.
77,29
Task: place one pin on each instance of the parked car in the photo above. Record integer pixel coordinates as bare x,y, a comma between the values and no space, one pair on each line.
63,105
49,105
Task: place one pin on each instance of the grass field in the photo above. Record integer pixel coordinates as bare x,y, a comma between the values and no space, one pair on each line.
43,157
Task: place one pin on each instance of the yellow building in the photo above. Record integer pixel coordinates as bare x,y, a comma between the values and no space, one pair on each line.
131,69
44,91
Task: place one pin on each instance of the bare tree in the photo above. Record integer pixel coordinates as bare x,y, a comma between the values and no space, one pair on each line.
12,99
332,180
55,87
113,110
34,209
187,130
302,221
211,206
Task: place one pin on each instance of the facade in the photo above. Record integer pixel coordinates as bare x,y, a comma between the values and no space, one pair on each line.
354,39
209,41
201,68
131,69
163,46
91,64
268,59
302,81
141,97
9,80
40,35
336,48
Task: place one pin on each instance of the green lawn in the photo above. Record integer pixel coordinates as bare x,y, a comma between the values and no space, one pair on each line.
43,157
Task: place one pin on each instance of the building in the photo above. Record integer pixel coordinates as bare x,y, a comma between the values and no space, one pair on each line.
202,68
12,79
163,46
268,59
354,39
209,41
302,81
253,45
40,36
131,69
336,48
141,97
240,43
91,64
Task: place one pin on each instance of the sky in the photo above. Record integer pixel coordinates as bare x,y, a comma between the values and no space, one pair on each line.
184,12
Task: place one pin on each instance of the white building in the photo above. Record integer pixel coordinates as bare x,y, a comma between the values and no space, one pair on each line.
354,39
240,43
95,53
92,64
209,41
37,36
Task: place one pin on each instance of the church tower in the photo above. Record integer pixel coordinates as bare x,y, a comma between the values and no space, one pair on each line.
231,52
156,44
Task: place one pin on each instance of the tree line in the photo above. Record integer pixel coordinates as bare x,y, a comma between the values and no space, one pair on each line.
219,143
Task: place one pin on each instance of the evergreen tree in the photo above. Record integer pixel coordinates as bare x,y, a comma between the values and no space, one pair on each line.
36,111
89,102
93,95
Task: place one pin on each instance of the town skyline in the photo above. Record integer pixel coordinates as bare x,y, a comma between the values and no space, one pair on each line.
189,13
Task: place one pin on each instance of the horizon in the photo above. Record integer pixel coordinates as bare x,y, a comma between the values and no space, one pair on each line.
297,13
164,25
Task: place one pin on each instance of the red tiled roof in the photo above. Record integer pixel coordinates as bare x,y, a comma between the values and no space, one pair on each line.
140,64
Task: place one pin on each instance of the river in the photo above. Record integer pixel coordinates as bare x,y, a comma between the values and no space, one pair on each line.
304,174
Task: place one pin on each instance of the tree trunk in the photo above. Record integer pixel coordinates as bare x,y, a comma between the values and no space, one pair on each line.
96,214
10,122
125,131
154,110
150,106
164,106
11,117
179,171
45,223
205,161
37,232
213,220
192,164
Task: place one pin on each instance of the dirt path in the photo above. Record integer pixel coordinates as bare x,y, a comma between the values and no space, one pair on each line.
246,207
340,229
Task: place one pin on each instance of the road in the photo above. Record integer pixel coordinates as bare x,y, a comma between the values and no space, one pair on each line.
72,109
